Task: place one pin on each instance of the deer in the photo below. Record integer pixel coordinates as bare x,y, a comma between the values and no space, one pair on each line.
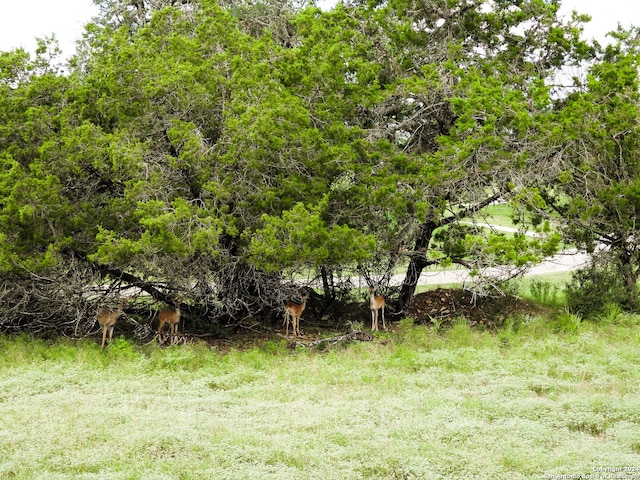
170,317
292,314
376,303
107,318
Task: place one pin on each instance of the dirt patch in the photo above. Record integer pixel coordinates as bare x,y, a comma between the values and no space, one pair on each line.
448,304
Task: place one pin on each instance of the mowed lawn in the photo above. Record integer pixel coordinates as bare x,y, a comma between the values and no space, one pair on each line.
523,402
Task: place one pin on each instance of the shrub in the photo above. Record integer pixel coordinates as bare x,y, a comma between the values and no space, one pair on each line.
592,289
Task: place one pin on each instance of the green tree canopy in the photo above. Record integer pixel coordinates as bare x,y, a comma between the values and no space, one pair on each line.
596,184
218,148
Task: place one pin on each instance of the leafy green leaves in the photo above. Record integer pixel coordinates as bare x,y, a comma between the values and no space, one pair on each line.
286,139
179,229
301,238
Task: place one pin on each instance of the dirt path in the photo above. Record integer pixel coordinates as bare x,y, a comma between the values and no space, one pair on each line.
563,262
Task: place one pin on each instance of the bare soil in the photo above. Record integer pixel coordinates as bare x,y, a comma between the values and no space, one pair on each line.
448,304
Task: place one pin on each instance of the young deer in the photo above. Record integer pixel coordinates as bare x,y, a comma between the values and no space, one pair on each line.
376,302
292,314
171,318
107,318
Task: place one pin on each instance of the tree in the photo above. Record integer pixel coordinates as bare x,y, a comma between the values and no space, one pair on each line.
596,189
168,151
449,101
197,148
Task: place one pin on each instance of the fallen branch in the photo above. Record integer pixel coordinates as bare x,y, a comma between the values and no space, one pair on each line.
333,341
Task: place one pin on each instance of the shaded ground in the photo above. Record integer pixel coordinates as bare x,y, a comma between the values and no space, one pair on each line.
441,305
345,320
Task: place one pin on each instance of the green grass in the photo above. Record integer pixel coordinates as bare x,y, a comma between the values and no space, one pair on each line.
499,214
546,289
458,403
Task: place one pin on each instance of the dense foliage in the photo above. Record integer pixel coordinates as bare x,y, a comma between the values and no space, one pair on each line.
220,151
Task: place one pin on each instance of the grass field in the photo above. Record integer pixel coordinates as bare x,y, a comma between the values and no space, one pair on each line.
525,402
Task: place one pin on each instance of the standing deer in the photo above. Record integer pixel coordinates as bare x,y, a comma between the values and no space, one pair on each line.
107,318
292,314
376,302
171,318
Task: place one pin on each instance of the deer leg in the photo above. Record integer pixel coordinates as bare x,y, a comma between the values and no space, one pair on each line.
286,321
173,334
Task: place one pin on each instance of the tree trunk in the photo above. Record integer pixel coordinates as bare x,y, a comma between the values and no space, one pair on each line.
327,285
418,259
417,262
630,276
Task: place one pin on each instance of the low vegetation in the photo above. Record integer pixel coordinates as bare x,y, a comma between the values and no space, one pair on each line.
534,397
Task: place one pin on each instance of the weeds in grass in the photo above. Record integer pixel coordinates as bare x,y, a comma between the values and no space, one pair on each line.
405,326
510,329
121,348
355,326
436,322
611,313
460,333
567,322
545,293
